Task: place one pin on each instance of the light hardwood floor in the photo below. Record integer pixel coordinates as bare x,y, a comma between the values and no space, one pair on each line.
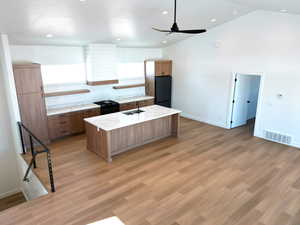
11,201
209,176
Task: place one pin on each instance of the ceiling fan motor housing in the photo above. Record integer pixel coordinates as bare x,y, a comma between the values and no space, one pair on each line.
175,28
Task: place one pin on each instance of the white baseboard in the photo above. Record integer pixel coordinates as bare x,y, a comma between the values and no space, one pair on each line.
293,144
193,117
9,193
25,194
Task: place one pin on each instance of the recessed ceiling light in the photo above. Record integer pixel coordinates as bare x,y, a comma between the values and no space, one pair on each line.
164,42
82,0
118,39
213,20
283,10
165,12
49,35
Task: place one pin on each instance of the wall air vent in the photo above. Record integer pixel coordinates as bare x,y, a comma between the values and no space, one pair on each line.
277,137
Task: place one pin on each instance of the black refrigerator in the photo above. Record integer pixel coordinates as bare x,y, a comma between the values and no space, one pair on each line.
163,90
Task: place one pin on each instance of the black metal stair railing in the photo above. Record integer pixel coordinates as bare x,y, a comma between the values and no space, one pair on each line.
34,153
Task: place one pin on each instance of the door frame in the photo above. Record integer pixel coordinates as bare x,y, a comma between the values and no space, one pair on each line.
259,100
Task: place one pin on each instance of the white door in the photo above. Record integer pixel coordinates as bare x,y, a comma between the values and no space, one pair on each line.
240,101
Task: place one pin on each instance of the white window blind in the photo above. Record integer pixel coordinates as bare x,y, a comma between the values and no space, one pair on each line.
131,71
131,63
101,62
63,74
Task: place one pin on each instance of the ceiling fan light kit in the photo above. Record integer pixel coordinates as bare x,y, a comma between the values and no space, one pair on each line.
175,28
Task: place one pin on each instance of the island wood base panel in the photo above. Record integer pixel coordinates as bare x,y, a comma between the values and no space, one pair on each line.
109,143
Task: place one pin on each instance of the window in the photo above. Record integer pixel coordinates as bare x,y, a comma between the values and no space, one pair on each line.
63,74
133,72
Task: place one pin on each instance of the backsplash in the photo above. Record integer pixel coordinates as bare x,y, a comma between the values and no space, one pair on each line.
97,93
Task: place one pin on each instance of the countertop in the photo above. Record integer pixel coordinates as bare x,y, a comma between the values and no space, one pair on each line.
68,109
52,112
133,99
118,120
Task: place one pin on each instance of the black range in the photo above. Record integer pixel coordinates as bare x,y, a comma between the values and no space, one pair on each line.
108,106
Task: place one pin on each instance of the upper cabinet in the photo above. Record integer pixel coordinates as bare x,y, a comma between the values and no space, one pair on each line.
163,68
31,100
28,78
101,61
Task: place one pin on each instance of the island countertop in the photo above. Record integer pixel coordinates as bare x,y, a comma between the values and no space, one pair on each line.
118,120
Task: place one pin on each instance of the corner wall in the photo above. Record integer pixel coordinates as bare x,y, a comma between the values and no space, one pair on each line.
9,179
12,164
259,43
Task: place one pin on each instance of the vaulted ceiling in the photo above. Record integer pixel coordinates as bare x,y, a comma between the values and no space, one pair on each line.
125,22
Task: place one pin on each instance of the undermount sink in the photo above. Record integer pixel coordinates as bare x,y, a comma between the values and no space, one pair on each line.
132,112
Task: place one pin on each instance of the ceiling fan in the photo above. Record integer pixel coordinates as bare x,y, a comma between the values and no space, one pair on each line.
175,28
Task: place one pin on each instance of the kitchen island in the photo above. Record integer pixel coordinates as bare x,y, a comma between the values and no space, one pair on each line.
112,134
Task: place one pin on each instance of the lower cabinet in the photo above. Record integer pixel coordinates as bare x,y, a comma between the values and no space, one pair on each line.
128,106
72,123
69,123
134,105
146,103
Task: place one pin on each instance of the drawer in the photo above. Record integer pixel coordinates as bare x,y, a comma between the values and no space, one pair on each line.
91,113
69,123
58,126
58,121
64,132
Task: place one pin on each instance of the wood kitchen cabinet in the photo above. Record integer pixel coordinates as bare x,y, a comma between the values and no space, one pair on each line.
155,68
128,106
28,78
134,105
69,123
59,126
31,100
146,103
76,122
163,68
33,115
91,113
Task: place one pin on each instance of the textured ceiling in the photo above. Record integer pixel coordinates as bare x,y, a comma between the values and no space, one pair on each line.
72,22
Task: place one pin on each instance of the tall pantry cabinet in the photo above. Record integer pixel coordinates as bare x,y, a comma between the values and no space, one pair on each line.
31,99
155,68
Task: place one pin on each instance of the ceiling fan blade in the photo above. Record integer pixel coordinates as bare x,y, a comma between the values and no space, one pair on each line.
166,31
191,31
175,29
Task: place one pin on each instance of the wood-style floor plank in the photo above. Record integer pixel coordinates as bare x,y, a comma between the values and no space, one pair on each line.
207,176
11,201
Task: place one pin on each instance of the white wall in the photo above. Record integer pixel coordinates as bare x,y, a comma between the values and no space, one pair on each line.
9,181
260,42
50,55
12,164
